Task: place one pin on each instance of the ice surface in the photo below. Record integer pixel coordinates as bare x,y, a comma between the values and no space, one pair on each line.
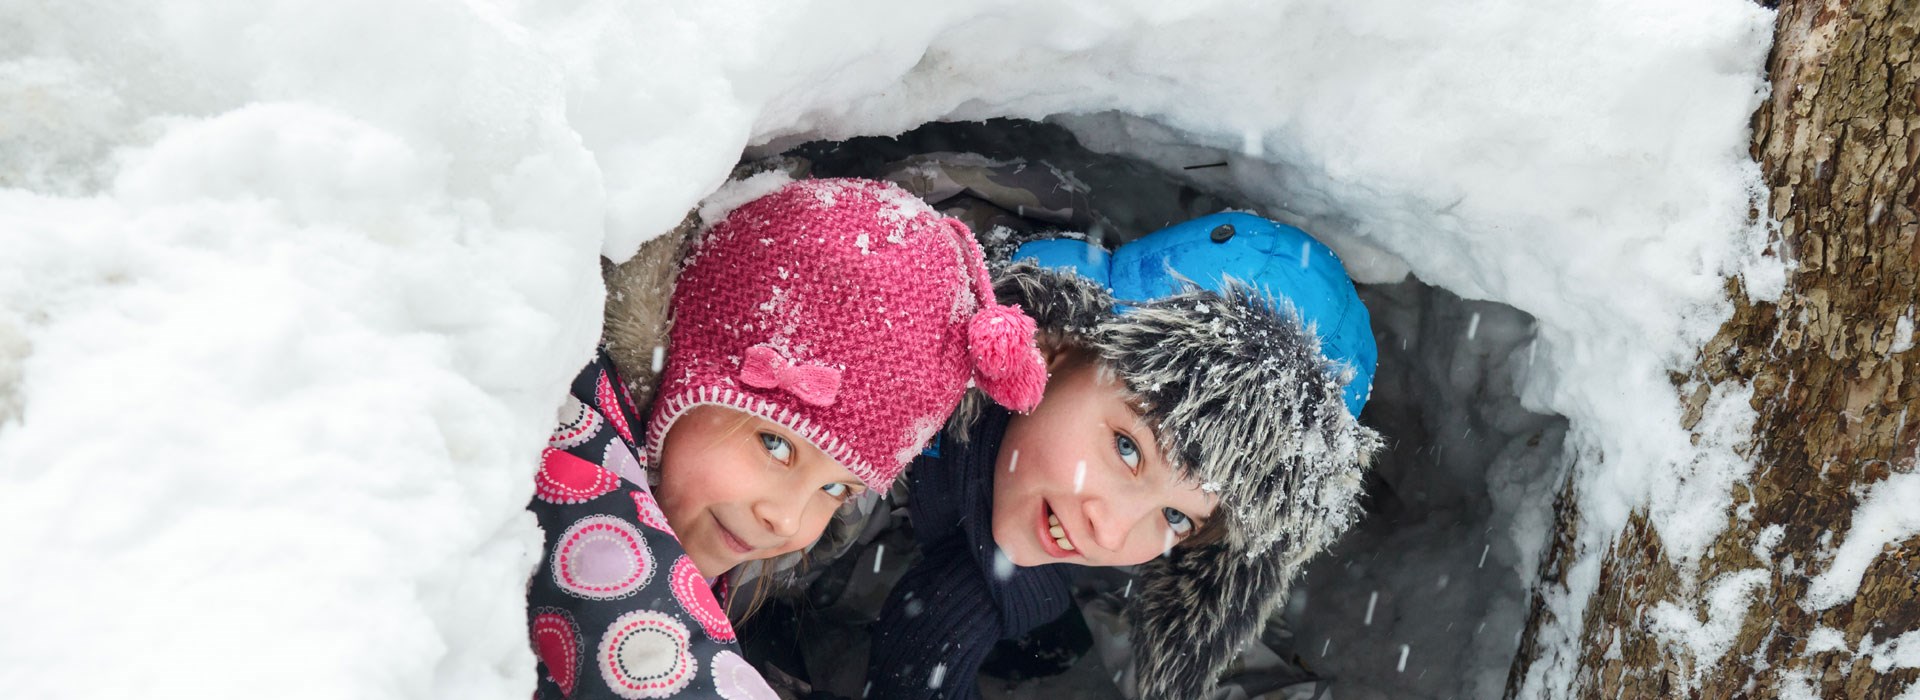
290,290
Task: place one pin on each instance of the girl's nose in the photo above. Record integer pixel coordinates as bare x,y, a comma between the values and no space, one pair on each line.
779,513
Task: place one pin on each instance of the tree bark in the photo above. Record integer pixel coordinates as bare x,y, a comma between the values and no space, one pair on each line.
1839,146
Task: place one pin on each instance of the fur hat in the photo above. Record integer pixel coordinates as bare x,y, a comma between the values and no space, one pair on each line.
848,311
1239,388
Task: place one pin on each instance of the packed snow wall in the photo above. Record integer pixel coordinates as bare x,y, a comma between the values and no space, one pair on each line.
288,291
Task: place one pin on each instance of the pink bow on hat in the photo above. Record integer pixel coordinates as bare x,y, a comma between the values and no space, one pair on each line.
765,368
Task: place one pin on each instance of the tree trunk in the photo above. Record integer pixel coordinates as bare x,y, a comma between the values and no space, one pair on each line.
1839,142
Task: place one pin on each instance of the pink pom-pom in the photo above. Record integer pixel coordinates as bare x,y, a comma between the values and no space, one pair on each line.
1006,363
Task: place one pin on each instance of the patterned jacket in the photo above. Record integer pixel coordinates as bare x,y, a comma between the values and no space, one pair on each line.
617,608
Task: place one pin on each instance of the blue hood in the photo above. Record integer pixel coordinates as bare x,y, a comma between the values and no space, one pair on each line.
1283,262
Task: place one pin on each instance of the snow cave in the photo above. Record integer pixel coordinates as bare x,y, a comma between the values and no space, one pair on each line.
1425,595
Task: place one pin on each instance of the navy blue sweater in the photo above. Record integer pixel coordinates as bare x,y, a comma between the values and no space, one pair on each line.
951,607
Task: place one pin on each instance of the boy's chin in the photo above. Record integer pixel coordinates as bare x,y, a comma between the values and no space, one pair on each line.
1019,551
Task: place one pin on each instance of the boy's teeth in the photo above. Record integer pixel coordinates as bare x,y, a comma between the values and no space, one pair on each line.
1059,533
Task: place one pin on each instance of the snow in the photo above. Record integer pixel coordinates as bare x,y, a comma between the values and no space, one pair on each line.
734,193
1770,537
1727,600
1797,685
1885,516
1899,652
291,291
1825,639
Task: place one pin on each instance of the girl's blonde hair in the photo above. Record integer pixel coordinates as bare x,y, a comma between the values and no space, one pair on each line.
788,572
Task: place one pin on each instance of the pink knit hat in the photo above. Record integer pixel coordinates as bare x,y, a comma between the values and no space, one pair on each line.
849,312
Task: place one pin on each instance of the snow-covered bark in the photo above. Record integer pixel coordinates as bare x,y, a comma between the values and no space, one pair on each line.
1813,587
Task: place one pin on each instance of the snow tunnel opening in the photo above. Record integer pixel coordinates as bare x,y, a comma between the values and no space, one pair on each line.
1427,594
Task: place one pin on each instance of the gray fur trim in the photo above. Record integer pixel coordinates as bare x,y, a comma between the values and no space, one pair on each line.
1255,413
1068,309
639,296
1193,610
1238,392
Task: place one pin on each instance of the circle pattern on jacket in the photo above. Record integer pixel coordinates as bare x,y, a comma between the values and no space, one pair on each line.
646,654
602,557
690,588
578,424
564,479
620,460
556,640
650,513
603,394
736,679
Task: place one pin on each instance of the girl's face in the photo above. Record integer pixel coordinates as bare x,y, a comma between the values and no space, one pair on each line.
1081,481
736,488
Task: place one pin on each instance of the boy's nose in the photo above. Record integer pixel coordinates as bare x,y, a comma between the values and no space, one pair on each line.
1108,521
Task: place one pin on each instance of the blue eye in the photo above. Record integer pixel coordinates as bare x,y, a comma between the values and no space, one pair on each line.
837,490
1177,521
777,446
1128,451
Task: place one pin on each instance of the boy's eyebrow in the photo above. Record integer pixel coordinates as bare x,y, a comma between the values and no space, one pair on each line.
1188,481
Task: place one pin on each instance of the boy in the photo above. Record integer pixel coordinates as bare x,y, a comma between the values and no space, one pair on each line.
1200,420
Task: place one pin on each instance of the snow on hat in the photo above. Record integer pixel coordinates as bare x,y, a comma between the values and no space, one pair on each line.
849,312
1244,362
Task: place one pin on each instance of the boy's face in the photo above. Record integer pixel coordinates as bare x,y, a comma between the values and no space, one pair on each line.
736,488
1081,481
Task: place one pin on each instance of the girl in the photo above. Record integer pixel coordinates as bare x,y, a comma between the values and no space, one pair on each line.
820,335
